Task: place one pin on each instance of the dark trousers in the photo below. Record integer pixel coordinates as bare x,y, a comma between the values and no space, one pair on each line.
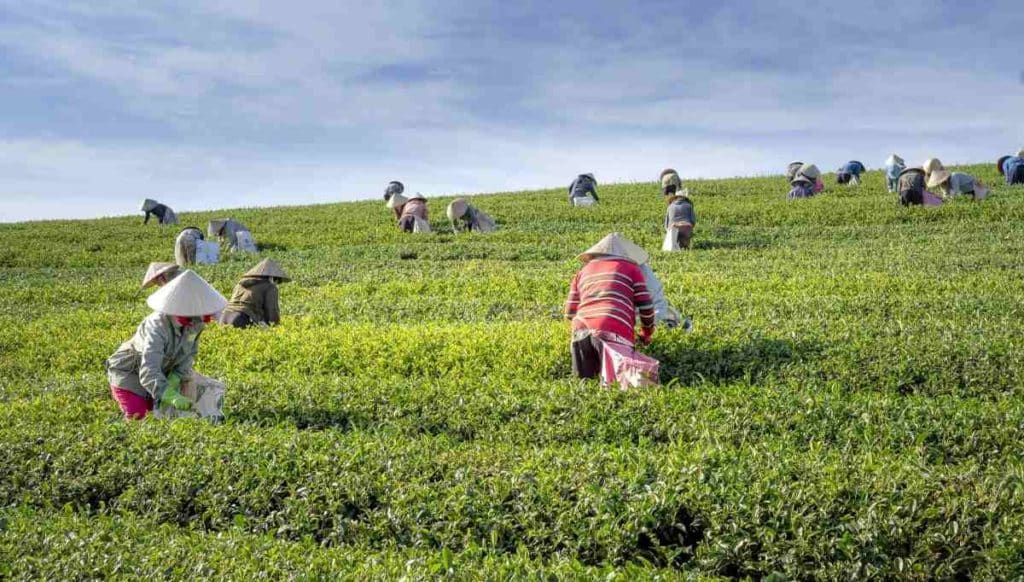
235,318
684,236
1017,177
586,356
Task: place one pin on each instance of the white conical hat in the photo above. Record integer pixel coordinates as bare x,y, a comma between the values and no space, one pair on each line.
417,196
188,295
457,209
396,200
157,269
268,268
148,205
615,245
894,160
931,164
936,178
809,170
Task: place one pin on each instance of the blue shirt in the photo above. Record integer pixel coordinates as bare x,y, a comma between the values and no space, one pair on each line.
853,168
1010,166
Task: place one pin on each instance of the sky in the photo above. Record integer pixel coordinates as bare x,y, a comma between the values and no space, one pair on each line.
238,103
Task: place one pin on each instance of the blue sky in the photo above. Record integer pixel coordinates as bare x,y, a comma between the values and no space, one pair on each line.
227,103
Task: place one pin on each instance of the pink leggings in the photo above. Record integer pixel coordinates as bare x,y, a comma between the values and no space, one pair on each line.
132,405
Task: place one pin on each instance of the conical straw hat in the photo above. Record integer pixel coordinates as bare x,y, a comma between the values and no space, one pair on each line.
268,268
457,209
999,164
931,164
911,171
417,196
937,178
809,170
396,200
614,245
157,269
894,160
666,172
188,295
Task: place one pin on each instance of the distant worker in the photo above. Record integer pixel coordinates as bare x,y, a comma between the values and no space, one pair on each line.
394,187
163,213
410,212
465,216
233,233
929,166
850,172
583,190
605,298
792,169
813,174
680,218
150,367
911,189
893,166
804,184
949,184
186,245
1012,168
255,300
159,274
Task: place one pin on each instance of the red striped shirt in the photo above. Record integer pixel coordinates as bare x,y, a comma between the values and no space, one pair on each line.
607,295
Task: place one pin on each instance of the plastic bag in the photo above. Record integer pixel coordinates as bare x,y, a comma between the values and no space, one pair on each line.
206,394
622,365
420,225
207,252
583,201
671,242
244,242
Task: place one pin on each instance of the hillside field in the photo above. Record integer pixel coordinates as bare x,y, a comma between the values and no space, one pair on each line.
848,404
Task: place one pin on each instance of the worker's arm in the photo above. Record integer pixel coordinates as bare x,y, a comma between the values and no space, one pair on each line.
572,303
151,374
644,305
146,221
271,306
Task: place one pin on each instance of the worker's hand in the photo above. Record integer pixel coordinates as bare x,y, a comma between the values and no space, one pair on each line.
172,397
645,338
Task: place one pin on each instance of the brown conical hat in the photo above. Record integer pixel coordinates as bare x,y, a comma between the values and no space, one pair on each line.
931,164
268,268
157,269
938,177
615,245
999,164
457,209
188,295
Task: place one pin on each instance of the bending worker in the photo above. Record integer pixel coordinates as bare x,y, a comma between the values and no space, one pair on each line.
1012,168
233,233
804,184
186,244
813,175
949,184
163,213
411,212
680,216
583,190
850,173
605,298
149,367
255,300
893,166
464,216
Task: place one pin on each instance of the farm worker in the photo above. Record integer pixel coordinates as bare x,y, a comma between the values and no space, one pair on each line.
411,212
803,187
186,244
792,169
465,216
680,216
950,184
1012,168
850,173
234,233
930,165
159,274
605,298
893,166
911,189
150,367
813,175
671,183
163,214
583,190
393,187
255,299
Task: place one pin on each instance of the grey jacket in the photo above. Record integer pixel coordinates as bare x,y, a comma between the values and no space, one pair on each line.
185,246
960,183
160,346
680,211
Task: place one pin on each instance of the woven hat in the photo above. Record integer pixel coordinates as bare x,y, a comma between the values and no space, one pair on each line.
155,270
268,268
417,196
894,160
614,245
666,172
809,170
999,164
457,209
188,295
149,204
931,164
671,179
396,200
938,177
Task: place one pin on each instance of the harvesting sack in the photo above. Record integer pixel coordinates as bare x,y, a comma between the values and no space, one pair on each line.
244,242
583,201
206,395
671,242
207,252
420,225
628,368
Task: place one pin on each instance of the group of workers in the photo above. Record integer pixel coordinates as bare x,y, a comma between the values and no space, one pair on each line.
411,212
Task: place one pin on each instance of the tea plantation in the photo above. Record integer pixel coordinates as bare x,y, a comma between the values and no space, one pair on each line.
848,404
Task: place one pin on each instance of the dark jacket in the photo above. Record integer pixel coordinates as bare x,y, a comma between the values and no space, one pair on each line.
256,297
583,185
159,211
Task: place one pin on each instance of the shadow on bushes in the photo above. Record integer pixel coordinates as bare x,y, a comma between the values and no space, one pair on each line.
752,360
304,418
